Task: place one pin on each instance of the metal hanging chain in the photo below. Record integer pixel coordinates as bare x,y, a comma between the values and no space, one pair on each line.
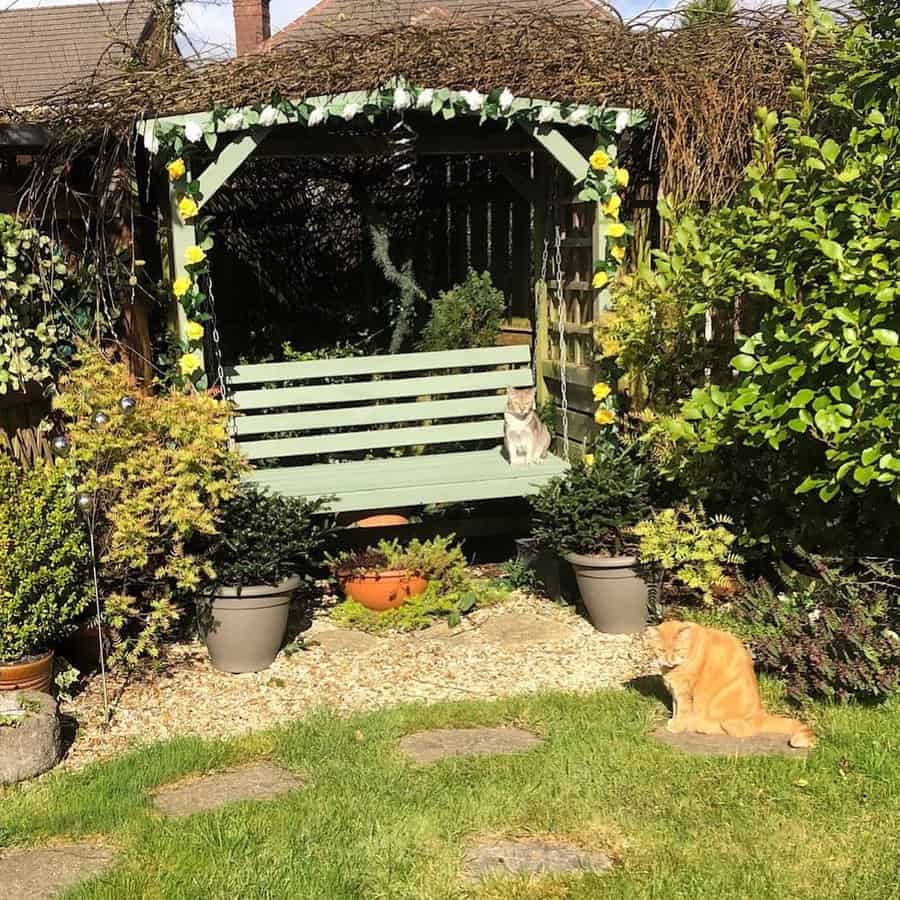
563,350
217,346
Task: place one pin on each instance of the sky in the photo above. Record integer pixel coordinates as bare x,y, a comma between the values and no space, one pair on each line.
209,27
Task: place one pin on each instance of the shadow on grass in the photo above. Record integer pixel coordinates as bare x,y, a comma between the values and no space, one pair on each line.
652,687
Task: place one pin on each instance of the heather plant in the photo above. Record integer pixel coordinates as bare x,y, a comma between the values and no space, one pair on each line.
158,477
831,631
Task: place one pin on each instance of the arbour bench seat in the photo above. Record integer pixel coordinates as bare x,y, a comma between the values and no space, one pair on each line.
333,428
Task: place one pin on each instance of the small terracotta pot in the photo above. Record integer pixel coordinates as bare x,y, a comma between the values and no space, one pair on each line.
82,646
28,675
382,520
379,591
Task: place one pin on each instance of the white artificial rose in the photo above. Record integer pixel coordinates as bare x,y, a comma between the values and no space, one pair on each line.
474,99
622,119
506,100
268,117
234,120
402,99
579,115
193,132
546,115
426,98
351,111
317,116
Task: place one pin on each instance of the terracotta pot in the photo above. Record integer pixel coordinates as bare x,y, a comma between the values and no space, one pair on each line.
382,520
379,591
82,646
34,674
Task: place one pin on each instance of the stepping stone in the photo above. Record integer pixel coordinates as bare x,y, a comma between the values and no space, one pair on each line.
258,781
430,746
342,640
490,859
46,872
522,629
722,745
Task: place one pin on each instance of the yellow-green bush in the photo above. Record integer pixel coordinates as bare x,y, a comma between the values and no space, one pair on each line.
158,477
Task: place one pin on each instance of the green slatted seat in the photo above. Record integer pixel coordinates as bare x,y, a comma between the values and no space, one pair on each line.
331,427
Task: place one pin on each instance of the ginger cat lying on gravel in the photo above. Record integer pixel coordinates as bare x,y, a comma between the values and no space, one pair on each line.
710,676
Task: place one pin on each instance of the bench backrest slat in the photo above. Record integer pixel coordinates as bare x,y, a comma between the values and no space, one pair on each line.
290,413
377,365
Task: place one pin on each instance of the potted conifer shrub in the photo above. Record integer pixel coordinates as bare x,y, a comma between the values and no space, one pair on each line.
585,516
267,544
43,571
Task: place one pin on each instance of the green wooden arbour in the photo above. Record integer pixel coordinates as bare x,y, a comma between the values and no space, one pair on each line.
566,149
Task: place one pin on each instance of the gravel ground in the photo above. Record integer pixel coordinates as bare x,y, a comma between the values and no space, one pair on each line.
524,645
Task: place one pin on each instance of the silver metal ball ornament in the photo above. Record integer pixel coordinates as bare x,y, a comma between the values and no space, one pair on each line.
60,446
101,419
84,503
127,405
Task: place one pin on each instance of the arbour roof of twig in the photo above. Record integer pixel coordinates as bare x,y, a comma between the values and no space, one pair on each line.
701,84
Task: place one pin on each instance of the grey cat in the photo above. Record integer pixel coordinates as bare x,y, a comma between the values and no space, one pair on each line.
526,437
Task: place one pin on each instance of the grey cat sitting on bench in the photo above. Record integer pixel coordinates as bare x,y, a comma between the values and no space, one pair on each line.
525,437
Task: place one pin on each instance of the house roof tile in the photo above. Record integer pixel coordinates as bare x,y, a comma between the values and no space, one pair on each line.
329,18
48,48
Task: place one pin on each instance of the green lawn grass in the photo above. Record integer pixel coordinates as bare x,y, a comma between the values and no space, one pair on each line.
369,824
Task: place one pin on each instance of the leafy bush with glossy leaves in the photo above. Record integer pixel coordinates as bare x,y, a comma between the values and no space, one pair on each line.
44,575
832,632
264,538
593,506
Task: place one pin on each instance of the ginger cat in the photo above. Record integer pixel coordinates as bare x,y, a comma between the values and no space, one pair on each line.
710,676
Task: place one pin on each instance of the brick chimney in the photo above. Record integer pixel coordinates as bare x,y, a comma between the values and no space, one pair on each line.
252,24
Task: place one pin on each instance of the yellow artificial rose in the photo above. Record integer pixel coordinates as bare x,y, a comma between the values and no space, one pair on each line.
615,229
600,280
622,177
601,391
194,255
588,459
187,208
612,206
189,364
599,160
176,169
194,331
618,252
604,416
181,286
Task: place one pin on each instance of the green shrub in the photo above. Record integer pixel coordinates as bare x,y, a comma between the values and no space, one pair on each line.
832,632
468,315
44,575
686,548
593,506
264,538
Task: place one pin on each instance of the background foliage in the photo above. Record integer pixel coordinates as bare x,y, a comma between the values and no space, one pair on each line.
468,315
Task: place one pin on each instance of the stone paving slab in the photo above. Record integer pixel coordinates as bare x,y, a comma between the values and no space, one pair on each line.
341,640
520,629
258,781
44,872
431,746
723,745
488,859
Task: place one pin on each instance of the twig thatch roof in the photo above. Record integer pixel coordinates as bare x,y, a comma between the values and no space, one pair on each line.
701,84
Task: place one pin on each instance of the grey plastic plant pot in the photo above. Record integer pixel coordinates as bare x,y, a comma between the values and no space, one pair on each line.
612,591
244,627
